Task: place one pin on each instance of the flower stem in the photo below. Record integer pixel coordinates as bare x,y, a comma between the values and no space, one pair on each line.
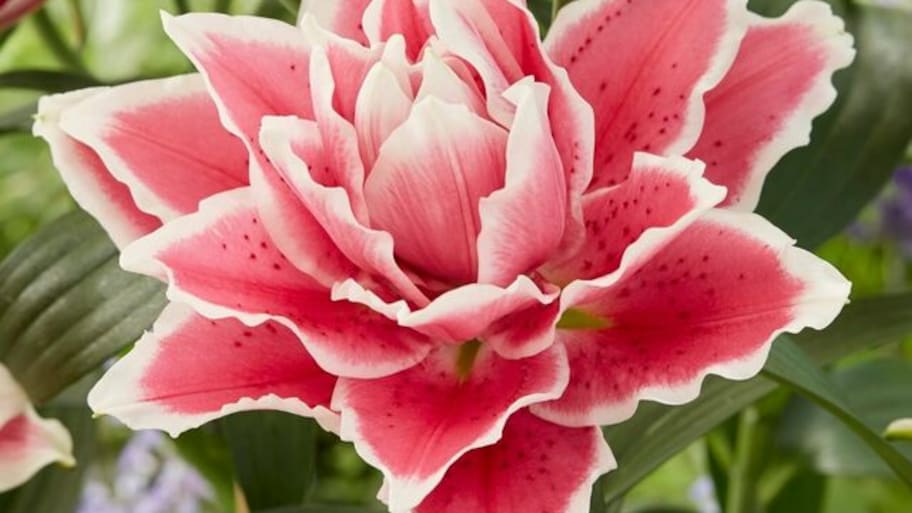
742,490
55,42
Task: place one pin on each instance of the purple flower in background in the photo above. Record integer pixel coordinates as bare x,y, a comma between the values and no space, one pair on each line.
149,478
896,212
703,495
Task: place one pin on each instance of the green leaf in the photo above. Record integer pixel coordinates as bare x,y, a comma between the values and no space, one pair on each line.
57,489
814,192
48,81
878,390
658,432
66,306
791,366
274,456
804,492
663,509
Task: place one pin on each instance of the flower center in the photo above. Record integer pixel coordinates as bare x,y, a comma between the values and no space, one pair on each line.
576,319
468,352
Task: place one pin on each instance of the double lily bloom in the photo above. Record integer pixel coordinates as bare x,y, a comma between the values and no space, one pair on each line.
453,244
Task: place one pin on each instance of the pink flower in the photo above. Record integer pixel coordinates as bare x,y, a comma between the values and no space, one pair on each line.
12,11
27,442
459,247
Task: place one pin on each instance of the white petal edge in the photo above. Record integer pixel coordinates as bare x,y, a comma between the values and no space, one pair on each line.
796,131
117,392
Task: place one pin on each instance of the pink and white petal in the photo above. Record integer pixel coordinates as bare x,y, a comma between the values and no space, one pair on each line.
644,67
415,424
297,153
342,17
247,278
191,370
467,312
163,138
427,182
526,332
296,232
381,107
254,67
410,18
337,81
511,243
755,116
440,80
710,301
536,466
27,442
661,192
501,41
517,321
89,181
466,29
339,138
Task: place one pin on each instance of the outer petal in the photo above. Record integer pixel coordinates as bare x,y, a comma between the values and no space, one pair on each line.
416,424
660,193
295,231
162,138
709,302
411,18
191,370
644,66
426,185
342,17
764,107
254,67
523,223
27,442
244,276
299,155
536,466
87,178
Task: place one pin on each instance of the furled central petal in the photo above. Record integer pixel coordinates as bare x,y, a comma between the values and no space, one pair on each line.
427,182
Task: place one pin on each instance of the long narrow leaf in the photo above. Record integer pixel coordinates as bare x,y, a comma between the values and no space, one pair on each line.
791,366
66,306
